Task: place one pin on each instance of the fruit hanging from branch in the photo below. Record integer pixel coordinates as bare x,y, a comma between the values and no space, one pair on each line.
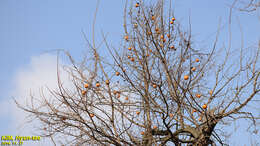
198,95
126,37
186,77
86,85
107,82
204,106
137,5
83,92
91,115
97,84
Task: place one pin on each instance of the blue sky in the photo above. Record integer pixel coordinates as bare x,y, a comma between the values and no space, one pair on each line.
29,29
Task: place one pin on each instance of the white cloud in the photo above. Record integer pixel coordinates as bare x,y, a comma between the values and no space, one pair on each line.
30,80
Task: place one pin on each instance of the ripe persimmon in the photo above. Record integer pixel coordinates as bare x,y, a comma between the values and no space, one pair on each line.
162,37
107,82
154,127
126,98
171,115
204,106
153,17
129,48
197,60
83,92
198,95
193,69
137,5
173,19
186,77
91,115
97,84
168,35
200,119
117,73
126,37
164,40
171,22
132,59
142,133
86,85
154,85
138,112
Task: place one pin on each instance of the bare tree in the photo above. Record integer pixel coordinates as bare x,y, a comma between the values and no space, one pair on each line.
248,5
157,89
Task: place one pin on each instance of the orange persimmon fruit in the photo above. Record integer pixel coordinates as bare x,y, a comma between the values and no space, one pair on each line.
97,84
204,106
153,17
186,77
164,40
162,37
198,95
91,115
200,119
126,38
86,85
83,92
137,5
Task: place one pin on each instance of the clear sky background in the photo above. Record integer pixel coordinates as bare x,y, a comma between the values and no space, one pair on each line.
29,29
